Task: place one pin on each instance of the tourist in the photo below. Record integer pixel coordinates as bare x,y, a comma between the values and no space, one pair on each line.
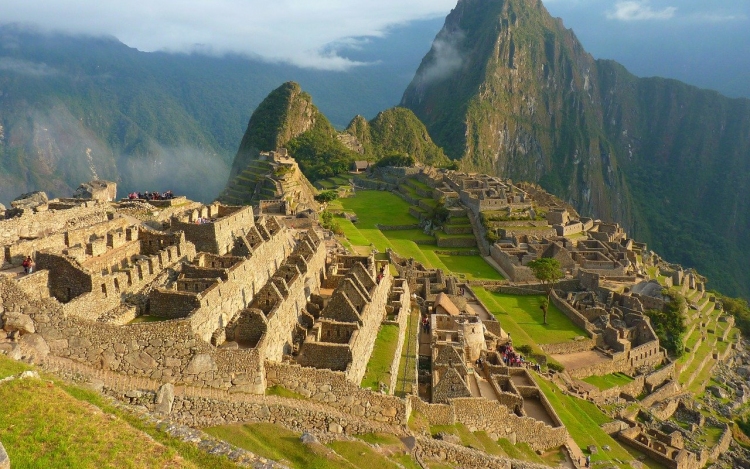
28,265
588,461
425,324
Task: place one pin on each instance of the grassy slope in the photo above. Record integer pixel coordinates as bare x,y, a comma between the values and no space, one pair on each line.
47,423
379,366
277,443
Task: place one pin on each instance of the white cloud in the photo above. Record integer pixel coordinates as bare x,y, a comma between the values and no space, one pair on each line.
295,31
638,11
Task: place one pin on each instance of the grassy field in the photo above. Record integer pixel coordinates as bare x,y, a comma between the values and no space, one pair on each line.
522,317
379,366
379,207
609,381
48,423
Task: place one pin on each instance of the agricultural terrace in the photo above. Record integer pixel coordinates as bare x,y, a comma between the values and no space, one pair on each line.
379,207
522,317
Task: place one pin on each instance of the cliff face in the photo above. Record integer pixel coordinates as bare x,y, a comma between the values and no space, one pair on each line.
508,90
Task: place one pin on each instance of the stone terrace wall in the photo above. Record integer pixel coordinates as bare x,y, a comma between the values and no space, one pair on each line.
334,389
167,351
32,224
221,301
216,237
572,314
492,417
363,340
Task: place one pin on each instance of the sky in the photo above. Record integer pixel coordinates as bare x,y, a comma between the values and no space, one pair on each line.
703,42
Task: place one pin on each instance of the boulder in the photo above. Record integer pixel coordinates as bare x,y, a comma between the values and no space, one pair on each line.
164,399
34,348
20,322
201,363
4,459
30,200
308,438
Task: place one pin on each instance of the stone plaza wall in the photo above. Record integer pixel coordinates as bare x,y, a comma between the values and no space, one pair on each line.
404,305
479,414
336,390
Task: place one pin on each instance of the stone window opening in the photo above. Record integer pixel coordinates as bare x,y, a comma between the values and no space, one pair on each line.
104,289
117,286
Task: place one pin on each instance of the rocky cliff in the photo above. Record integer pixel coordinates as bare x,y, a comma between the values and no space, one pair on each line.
508,90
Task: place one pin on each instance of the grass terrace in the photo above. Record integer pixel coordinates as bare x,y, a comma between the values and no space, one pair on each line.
522,317
583,420
380,207
609,381
379,367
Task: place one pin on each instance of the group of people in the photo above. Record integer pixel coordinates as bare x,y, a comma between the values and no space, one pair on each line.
510,356
203,221
151,195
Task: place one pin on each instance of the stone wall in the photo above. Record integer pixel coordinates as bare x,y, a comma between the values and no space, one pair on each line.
569,347
32,224
218,236
334,389
483,415
465,242
516,272
572,314
467,458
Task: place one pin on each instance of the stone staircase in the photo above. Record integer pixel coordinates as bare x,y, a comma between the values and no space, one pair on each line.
250,185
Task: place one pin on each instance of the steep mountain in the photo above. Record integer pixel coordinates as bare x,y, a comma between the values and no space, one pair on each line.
288,118
396,130
507,89
75,107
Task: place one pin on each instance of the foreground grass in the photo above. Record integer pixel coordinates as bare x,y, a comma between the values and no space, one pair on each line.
50,424
277,443
378,207
379,366
522,317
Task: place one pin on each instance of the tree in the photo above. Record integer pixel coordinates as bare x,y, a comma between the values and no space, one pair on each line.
547,271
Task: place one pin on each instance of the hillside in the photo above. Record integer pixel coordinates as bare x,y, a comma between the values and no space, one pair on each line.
288,118
508,90
75,105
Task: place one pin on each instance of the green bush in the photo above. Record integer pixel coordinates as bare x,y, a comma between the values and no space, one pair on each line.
738,308
555,367
397,159
327,196
525,349
669,324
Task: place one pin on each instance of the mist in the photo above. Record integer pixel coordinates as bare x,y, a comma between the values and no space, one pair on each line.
185,171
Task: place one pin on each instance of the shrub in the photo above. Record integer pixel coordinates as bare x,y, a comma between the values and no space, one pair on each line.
525,349
396,159
669,324
555,367
327,196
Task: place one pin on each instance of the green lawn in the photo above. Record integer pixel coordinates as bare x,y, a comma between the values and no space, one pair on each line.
609,381
522,317
379,366
380,207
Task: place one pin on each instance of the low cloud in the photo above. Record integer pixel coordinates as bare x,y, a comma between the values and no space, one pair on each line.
640,11
24,67
293,31
446,57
